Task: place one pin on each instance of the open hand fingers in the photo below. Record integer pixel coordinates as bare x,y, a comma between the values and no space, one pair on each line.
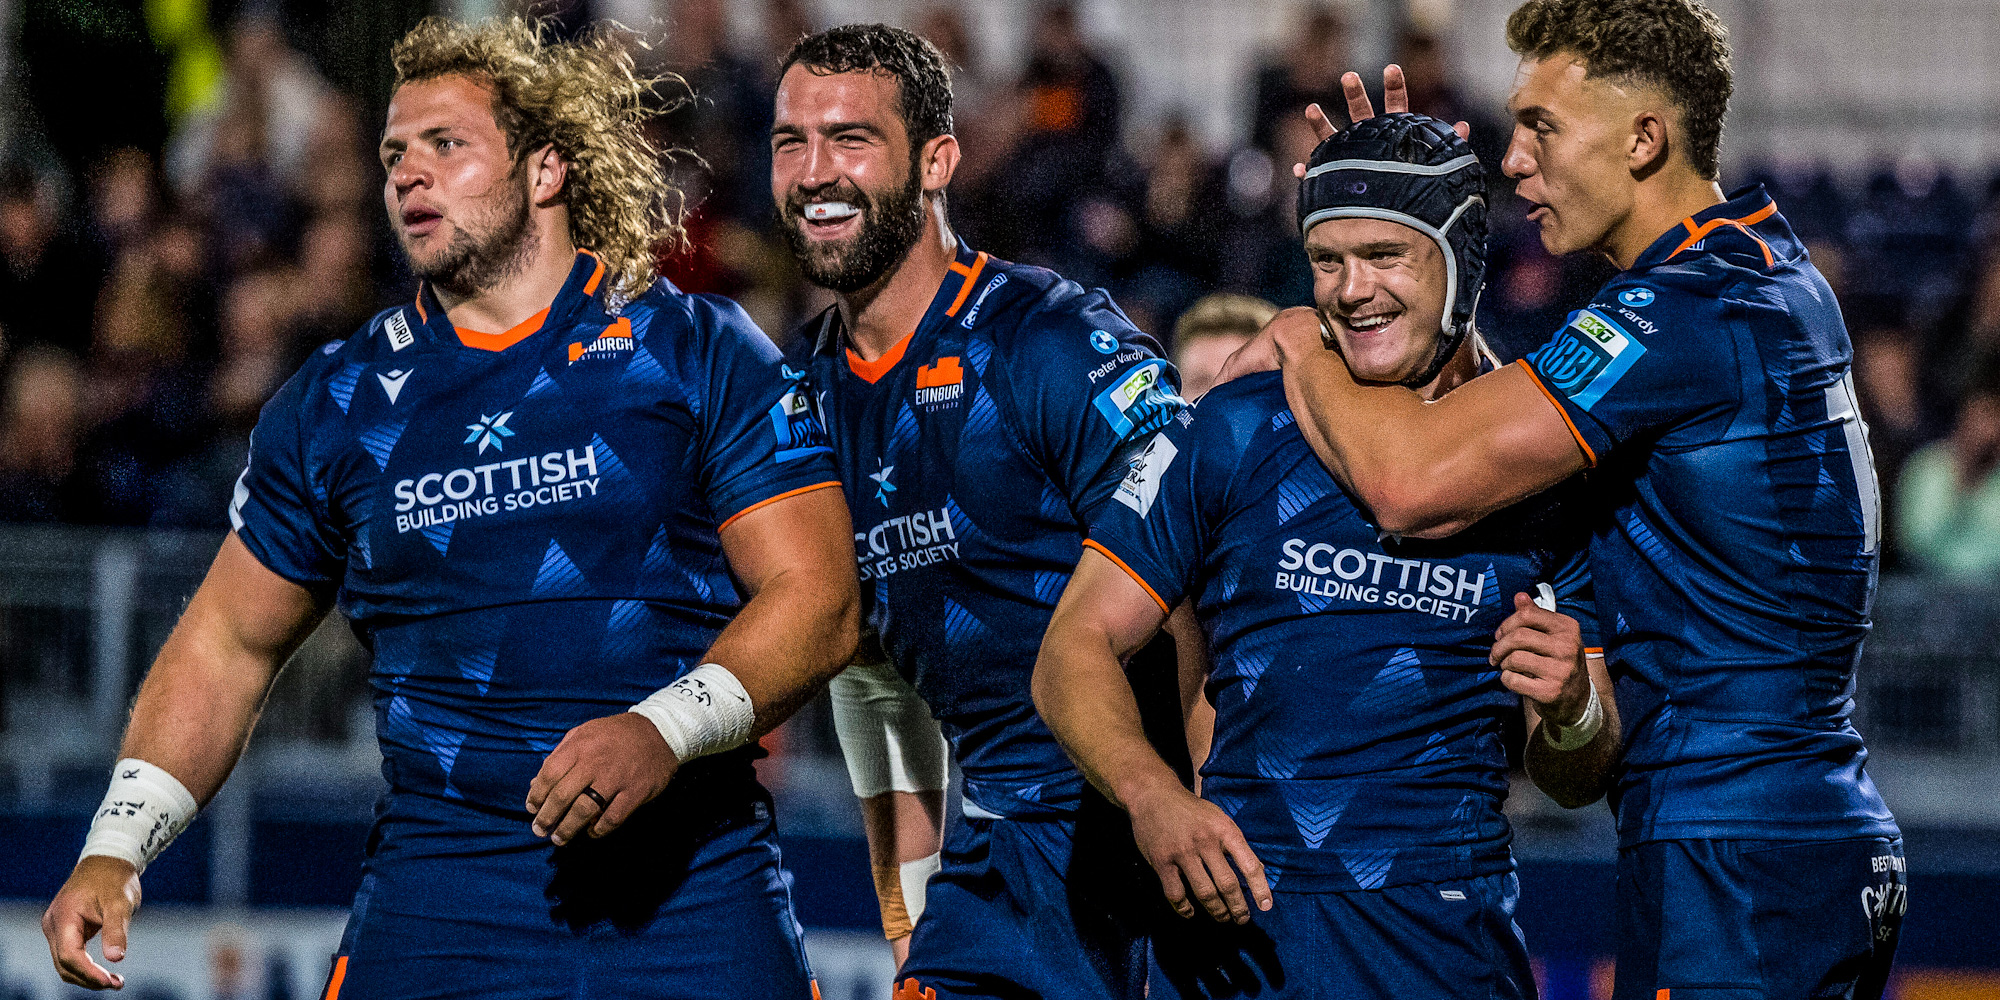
1253,869
1395,90
1359,107
1464,130
1323,127
560,800
584,810
622,807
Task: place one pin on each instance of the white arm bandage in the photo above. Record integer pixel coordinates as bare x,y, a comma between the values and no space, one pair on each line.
886,732
143,811
1570,737
706,711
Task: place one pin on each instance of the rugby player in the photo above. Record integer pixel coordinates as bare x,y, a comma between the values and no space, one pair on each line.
591,554
1708,387
1358,766
980,411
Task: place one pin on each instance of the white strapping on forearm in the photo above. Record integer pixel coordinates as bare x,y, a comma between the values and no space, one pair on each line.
886,732
706,711
916,879
1582,732
143,811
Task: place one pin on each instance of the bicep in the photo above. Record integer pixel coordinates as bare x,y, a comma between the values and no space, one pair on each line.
253,608
1103,600
808,532
1500,439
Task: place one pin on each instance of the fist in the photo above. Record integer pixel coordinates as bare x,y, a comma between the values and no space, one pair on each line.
600,773
1540,656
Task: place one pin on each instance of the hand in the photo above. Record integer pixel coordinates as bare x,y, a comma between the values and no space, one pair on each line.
622,758
100,895
1296,332
1258,354
1190,843
1395,98
1540,656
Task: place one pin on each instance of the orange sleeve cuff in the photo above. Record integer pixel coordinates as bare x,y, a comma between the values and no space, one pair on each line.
1589,456
1092,543
771,500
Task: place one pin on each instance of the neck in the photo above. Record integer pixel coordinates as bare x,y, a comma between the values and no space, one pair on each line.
1462,368
522,293
889,309
1659,204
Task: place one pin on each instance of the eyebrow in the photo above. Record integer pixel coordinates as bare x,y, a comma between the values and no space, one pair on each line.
830,128
1534,111
1362,250
429,133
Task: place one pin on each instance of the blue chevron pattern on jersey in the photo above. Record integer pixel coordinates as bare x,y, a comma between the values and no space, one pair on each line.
1357,721
526,538
966,464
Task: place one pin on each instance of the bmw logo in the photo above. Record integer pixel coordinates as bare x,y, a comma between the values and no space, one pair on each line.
1103,341
1637,298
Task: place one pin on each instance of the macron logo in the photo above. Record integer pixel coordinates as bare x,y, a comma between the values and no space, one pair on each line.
392,383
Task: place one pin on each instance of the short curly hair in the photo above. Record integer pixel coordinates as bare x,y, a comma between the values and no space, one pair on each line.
586,99
923,83
1679,46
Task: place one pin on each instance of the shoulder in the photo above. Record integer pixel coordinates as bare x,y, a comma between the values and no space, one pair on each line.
698,323
1037,313
1230,416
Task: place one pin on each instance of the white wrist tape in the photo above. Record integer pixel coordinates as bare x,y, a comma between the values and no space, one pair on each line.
1585,729
916,878
143,811
706,711
887,734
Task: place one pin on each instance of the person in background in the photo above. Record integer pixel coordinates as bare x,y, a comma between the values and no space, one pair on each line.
1948,512
1210,331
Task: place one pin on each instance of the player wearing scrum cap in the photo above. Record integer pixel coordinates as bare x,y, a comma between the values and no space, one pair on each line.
1349,821
592,557
1709,387
980,411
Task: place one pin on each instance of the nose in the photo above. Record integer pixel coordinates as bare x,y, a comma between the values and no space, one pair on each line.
1357,286
1519,161
407,175
818,170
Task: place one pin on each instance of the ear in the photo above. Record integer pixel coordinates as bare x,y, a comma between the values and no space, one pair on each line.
938,162
1649,142
547,172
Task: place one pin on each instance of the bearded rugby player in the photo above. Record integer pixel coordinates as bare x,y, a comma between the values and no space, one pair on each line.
1709,388
1360,683
594,556
980,411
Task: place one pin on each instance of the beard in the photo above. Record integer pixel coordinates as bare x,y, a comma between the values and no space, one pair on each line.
492,246
890,225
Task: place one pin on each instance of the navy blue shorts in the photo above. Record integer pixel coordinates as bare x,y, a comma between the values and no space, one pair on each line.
686,900
1036,908
1742,919
1430,940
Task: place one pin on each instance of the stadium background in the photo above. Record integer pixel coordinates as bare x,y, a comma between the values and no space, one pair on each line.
189,204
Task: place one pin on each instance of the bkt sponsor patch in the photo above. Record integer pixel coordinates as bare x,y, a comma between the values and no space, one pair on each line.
1587,358
797,428
1141,485
1141,402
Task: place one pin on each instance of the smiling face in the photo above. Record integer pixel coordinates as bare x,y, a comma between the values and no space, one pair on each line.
848,189
1571,152
1380,288
458,203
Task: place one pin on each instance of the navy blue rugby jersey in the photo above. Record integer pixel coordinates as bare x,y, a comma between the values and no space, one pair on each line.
973,455
524,526
1358,725
1710,386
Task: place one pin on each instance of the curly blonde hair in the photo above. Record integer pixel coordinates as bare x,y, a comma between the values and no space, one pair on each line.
586,99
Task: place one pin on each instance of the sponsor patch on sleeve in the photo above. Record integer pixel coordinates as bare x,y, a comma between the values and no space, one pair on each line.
793,421
1139,402
1587,357
1141,485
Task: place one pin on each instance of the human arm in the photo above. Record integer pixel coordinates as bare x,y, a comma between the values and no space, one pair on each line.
192,719
1542,657
1197,715
896,761
795,560
1425,469
1082,694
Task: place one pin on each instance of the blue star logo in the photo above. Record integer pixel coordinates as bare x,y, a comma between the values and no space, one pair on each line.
1637,298
489,430
883,487
1103,341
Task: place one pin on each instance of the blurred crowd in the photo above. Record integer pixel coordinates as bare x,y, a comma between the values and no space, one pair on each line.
152,297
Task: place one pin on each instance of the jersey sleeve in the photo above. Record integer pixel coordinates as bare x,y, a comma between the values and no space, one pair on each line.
274,510
1644,357
761,437
1090,391
1155,525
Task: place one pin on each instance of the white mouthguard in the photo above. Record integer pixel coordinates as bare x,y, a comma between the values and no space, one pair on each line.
830,211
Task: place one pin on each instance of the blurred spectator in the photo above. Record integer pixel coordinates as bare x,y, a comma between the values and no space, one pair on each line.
1424,61
125,200
273,102
1210,331
42,404
1950,492
47,280
1307,72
